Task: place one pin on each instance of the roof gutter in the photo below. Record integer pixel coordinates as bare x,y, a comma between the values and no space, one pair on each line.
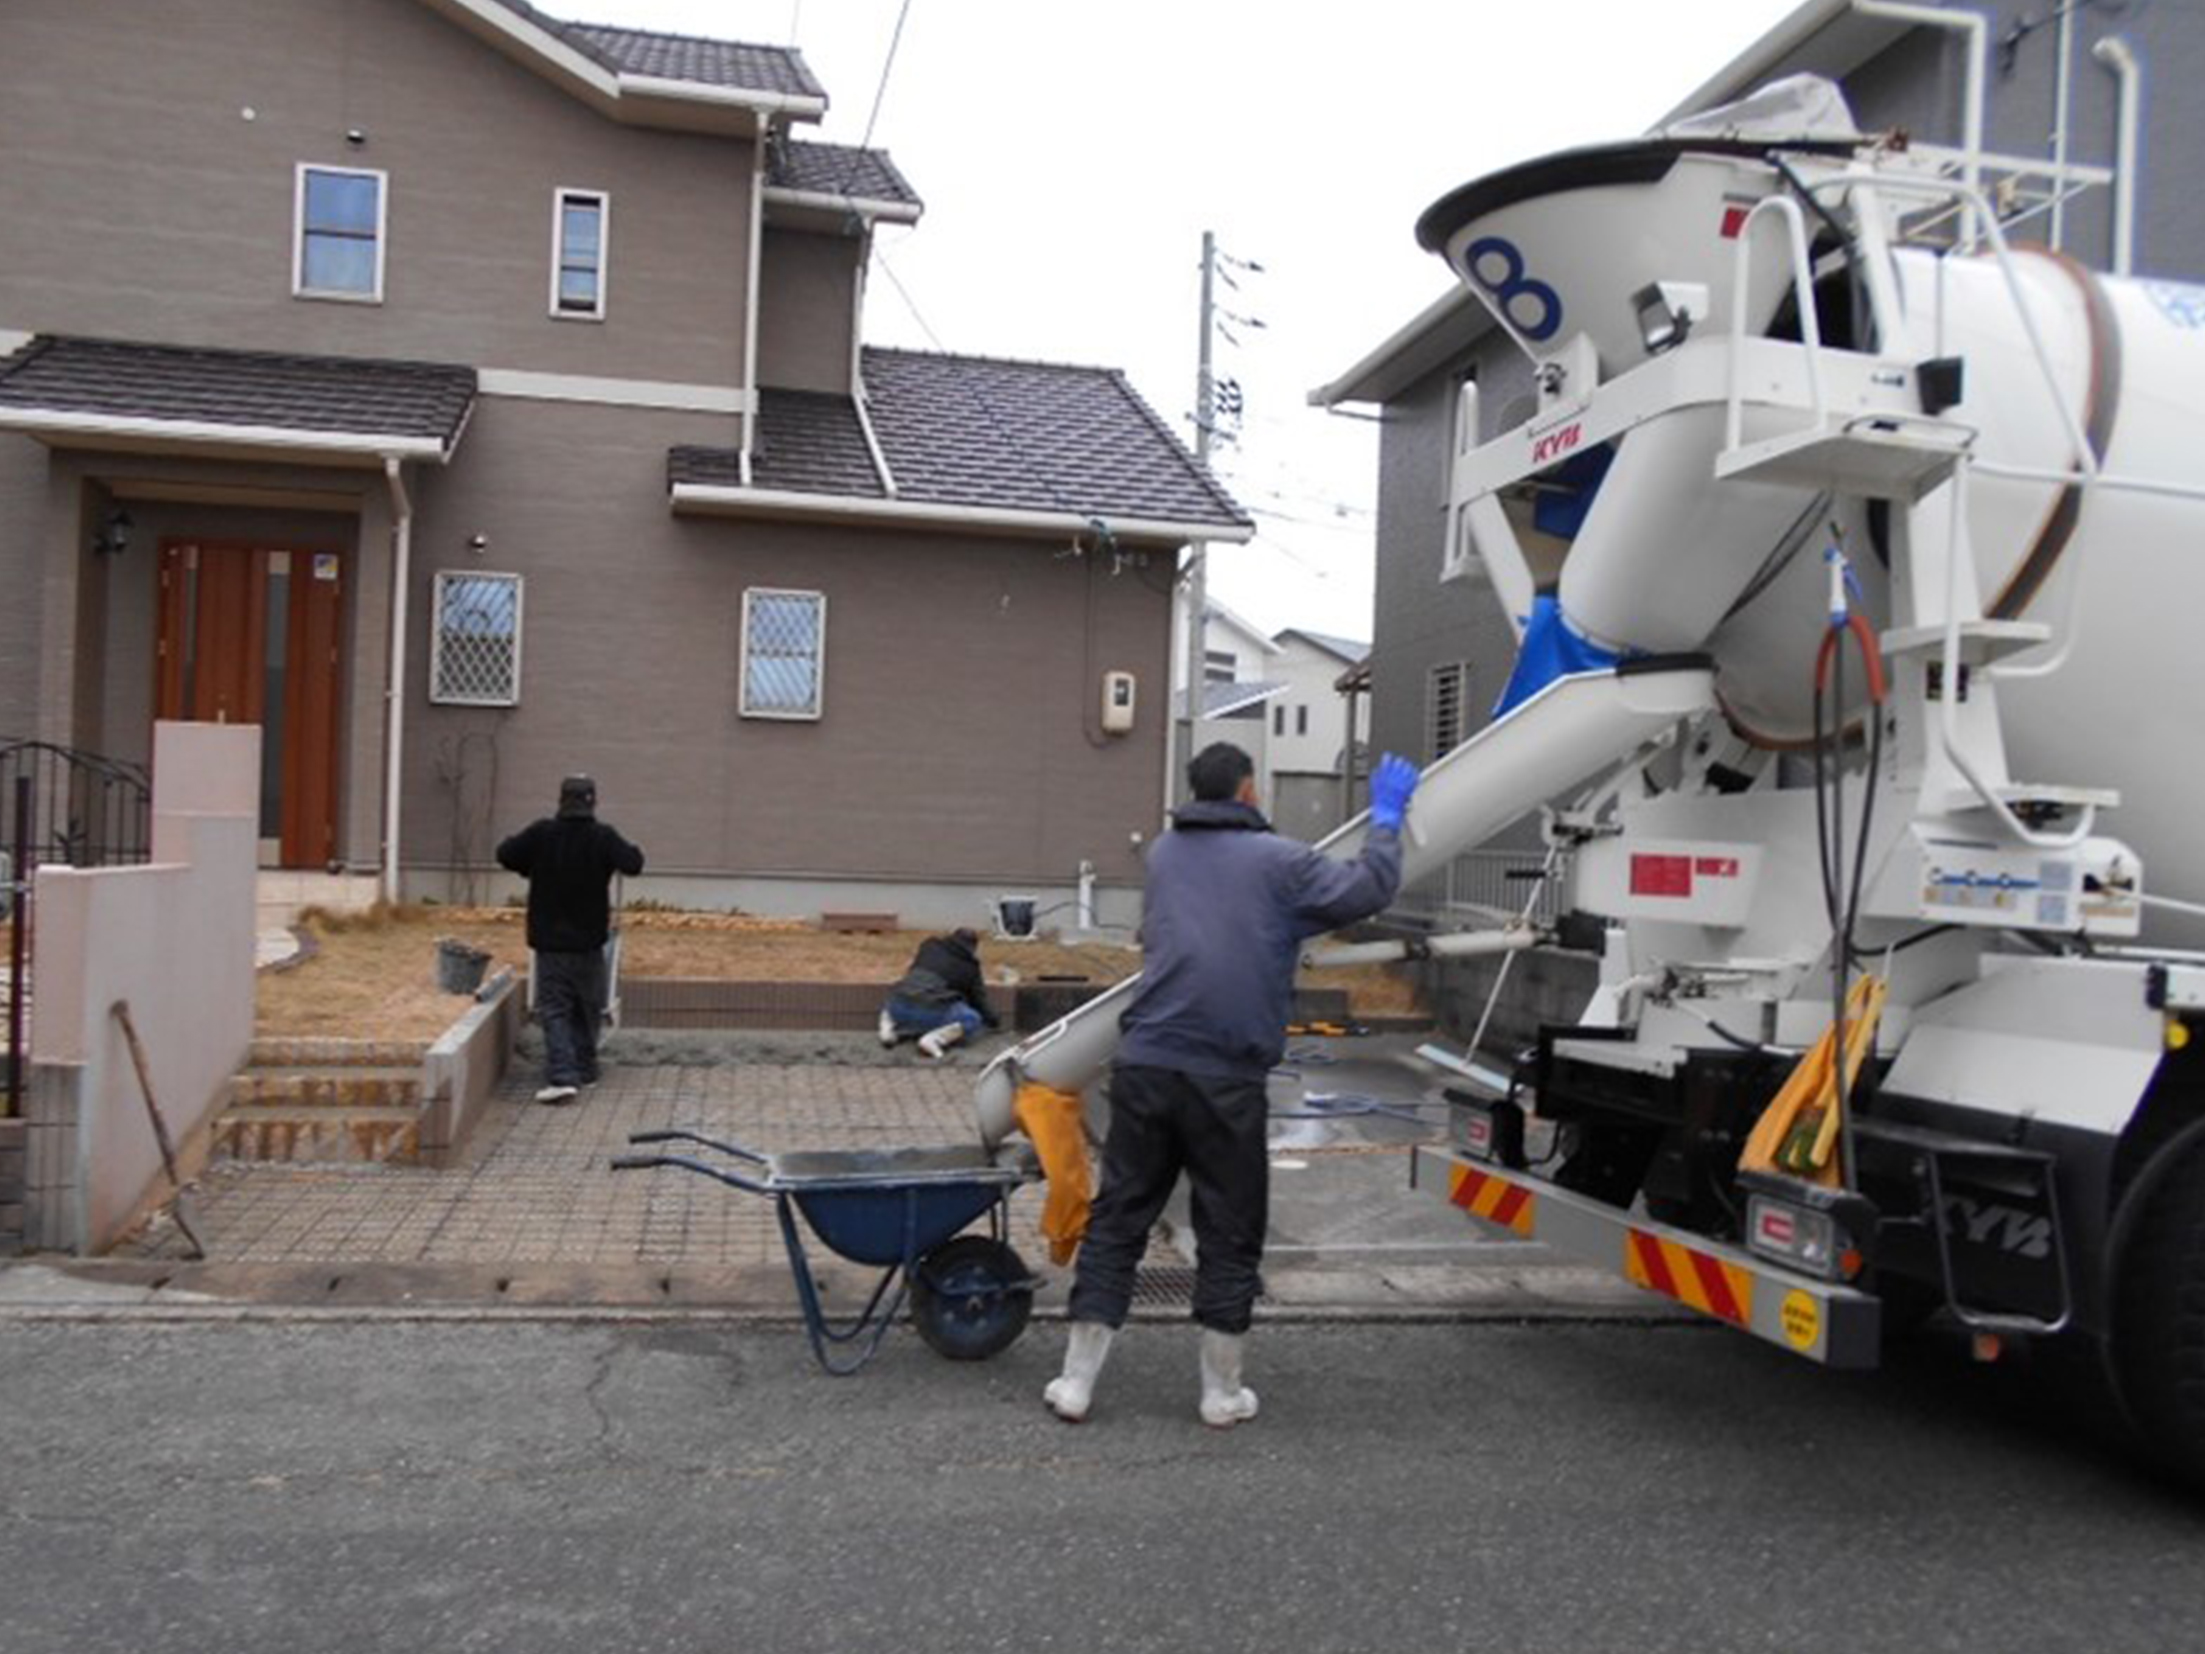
287,439
864,206
716,499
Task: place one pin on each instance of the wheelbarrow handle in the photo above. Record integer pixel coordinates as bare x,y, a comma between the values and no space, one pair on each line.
641,1162
676,1135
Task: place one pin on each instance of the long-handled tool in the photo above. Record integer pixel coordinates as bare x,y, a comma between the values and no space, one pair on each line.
181,1196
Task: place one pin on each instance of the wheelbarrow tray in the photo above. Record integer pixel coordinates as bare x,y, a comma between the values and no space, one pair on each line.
889,1206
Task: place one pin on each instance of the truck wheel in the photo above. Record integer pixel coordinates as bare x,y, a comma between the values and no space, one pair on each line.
970,1298
2159,1318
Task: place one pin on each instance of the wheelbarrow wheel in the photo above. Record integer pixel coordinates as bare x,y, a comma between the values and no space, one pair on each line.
970,1298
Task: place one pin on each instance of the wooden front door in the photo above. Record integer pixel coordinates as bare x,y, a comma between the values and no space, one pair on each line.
251,635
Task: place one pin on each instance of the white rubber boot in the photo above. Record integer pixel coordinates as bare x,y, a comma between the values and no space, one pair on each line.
887,1029
936,1045
1072,1392
1225,1400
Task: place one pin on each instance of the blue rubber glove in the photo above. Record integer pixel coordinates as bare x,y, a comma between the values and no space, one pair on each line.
1392,784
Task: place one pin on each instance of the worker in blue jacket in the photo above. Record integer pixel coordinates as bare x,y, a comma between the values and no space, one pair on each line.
1228,905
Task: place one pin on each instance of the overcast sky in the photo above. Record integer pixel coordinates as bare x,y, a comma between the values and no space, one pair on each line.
1070,156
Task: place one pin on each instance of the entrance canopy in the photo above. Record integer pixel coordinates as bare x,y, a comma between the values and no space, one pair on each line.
112,394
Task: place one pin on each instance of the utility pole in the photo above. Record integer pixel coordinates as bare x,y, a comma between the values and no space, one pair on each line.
1195,580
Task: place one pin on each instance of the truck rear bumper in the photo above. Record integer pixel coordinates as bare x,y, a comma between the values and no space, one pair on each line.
1821,1320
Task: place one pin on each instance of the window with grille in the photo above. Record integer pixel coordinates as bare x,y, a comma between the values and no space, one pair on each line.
475,648
1447,695
784,664
338,251
578,225
1220,666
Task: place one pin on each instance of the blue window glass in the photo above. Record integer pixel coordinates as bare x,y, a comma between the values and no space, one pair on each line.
580,275
340,228
783,647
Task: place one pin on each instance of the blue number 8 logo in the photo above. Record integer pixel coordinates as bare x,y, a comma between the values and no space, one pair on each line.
1511,287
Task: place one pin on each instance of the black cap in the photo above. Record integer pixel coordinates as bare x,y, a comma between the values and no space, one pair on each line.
577,796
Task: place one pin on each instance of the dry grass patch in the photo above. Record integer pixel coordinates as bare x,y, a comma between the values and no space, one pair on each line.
373,975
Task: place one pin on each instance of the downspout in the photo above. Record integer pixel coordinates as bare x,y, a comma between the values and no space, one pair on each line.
394,741
753,287
2064,70
2114,53
1977,30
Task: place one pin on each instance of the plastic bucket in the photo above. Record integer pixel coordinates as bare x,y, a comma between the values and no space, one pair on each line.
459,967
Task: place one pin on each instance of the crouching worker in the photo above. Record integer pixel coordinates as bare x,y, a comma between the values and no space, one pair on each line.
569,860
1228,905
941,998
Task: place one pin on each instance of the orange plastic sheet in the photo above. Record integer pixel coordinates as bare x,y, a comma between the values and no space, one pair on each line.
1798,1132
1053,1119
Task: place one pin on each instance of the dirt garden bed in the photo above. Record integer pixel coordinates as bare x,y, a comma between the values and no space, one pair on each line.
373,975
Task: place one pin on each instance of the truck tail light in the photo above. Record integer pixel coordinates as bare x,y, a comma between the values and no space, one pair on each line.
1804,1239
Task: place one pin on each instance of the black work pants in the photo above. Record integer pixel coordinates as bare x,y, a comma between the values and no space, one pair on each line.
570,1002
1163,1122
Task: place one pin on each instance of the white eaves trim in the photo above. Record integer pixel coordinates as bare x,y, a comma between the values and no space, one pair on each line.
12,340
201,433
864,206
715,499
729,97
527,385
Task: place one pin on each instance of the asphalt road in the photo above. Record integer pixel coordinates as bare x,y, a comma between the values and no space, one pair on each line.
406,1486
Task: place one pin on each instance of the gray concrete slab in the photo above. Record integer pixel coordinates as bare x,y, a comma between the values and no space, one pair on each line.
534,1222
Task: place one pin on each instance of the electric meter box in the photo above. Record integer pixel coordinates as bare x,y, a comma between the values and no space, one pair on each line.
1117,703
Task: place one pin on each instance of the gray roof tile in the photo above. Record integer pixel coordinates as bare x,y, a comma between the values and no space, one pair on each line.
1033,436
976,432
353,395
693,58
812,444
839,169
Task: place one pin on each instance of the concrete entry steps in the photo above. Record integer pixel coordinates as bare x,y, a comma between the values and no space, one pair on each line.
326,1101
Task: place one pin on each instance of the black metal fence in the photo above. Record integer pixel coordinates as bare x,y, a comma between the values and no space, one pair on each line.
58,807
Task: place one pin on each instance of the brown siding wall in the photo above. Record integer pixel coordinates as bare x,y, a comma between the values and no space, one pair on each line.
806,310
163,213
22,552
961,679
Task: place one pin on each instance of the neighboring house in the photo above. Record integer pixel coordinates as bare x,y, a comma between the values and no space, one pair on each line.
1317,768
1443,649
469,397
1238,685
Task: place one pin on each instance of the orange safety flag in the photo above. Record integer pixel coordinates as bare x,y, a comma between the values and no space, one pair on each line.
1053,1119
1798,1131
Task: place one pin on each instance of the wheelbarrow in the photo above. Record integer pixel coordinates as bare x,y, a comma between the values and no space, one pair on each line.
900,1210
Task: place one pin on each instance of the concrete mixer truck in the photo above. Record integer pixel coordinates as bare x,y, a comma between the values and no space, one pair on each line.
1855,556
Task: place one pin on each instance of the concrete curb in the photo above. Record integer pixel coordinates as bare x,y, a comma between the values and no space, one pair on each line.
232,1294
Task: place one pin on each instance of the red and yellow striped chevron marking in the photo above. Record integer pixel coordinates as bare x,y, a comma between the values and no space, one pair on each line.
1494,1199
1707,1284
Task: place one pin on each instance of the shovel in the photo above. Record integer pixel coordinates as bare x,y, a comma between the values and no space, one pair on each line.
181,1205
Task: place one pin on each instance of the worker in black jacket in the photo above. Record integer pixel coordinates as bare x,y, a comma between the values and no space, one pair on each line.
569,860
941,999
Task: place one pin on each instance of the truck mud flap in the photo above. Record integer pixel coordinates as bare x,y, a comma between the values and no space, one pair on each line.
1821,1320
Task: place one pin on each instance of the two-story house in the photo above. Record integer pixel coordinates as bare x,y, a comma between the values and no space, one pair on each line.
469,397
2051,100
1319,733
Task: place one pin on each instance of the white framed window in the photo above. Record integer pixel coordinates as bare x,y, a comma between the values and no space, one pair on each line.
784,663
337,250
1220,666
581,224
475,639
1446,704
